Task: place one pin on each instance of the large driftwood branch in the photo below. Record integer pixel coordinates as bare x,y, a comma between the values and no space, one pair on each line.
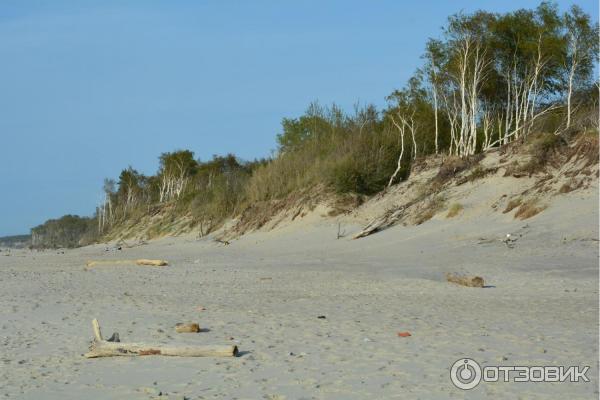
380,223
111,349
142,261
104,348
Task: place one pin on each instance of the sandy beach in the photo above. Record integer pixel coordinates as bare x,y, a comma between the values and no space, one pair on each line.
299,200
266,291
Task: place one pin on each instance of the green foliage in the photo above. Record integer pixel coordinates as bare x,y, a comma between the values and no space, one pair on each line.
367,162
218,187
67,231
15,241
582,45
179,162
211,191
348,153
516,37
316,123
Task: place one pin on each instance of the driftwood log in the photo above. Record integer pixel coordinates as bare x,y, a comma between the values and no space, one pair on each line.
470,281
378,224
187,328
104,348
142,261
155,263
390,218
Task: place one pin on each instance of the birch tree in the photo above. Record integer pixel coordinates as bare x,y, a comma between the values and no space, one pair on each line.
105,213
434,57
175,171
401,126
526,48
581,38
129,191
465,76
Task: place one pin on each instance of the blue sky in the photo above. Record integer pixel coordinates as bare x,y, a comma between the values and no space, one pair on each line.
90,87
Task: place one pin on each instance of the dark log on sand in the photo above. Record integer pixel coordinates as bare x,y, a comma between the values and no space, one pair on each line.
103,348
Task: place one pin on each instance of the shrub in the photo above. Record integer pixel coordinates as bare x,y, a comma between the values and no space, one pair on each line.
67,231
452,166
477,173
341,154
541,150
432,207
566,188
454,210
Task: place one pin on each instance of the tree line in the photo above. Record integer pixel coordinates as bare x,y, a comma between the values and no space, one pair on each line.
208,191
488,80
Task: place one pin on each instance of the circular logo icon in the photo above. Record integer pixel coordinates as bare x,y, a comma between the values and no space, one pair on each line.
465,374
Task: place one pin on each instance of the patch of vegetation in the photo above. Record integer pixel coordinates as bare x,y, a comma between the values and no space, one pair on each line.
586,148
514,169
451,167
528,209
347,153
15,241
344,204
454,210
542,149
478,173
430,209
566,188
68,231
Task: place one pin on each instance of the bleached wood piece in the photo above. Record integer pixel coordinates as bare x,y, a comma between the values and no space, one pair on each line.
155,263
380,223
142,261
97,332
103,348
112,349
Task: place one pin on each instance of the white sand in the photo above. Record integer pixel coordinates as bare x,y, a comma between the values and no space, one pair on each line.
541,310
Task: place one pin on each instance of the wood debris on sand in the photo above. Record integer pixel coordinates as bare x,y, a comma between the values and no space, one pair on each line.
104,348
141,261
470,281
187,328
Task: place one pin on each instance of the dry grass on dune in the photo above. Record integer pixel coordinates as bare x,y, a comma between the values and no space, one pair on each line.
454,210
529,209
